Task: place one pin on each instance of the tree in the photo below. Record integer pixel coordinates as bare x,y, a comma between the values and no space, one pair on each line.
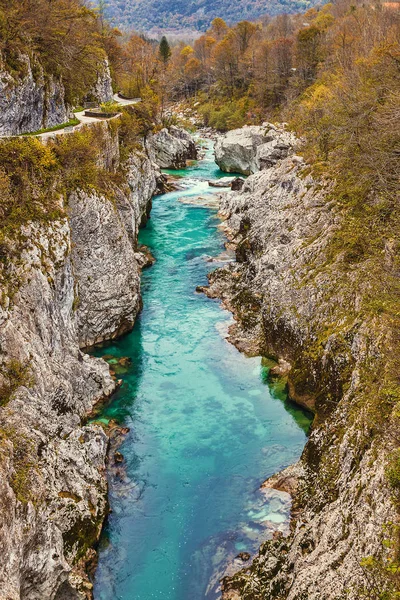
219,29
140,66
164,50
64,34
225,58
308,52
244,31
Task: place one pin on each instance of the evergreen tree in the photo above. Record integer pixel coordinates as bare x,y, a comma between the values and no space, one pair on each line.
164,50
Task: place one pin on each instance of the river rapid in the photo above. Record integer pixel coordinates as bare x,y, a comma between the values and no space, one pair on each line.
206,428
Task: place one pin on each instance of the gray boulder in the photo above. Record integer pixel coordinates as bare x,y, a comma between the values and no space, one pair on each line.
252,148
171,148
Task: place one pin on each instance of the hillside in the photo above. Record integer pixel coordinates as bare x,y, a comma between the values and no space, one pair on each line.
145,15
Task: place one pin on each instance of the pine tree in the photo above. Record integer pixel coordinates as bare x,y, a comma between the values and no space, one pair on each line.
164,50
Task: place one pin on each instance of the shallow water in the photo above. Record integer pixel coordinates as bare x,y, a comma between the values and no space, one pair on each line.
205,428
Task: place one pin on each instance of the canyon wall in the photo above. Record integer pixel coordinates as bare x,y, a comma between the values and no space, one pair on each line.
296,301
31,100
75,281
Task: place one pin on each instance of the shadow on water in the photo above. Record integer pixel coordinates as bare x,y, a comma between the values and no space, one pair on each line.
206,427
121,405
278,389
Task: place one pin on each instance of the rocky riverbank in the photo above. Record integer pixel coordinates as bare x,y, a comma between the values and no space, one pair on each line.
74,281
293,301
171,148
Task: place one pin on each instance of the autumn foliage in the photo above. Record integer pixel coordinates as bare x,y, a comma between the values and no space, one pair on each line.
63,37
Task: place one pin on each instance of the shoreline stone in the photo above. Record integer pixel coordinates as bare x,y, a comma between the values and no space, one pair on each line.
253,148
171,148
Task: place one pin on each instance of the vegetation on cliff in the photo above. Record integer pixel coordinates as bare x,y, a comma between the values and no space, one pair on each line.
63,37
36,180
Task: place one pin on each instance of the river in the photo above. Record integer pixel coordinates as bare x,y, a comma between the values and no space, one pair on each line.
205,427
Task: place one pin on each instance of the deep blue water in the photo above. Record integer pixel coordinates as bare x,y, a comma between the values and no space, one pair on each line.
205,427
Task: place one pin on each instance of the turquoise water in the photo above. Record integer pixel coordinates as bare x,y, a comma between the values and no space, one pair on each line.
205,428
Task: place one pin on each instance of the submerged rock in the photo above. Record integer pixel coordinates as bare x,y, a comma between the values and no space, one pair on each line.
118,457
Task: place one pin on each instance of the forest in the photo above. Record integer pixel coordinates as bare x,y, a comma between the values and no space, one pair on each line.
332,72
193,15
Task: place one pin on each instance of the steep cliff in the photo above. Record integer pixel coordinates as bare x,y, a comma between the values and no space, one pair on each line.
103,90
69,277
106,267
31,99
299,297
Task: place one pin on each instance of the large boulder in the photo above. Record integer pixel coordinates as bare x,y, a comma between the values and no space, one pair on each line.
252,148
171,148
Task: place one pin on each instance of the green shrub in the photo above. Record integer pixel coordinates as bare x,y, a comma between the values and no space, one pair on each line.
14,374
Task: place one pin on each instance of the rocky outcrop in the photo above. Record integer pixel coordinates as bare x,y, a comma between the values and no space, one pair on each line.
104,254
171,148
252,148
52,480
103,91
292,300
76,282
31,101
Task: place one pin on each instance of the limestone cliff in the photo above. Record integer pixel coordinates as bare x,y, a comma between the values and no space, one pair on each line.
31,99
103,90
74,281
106,267
295,301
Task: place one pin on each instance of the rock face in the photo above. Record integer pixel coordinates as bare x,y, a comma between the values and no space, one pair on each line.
36,101
103,91
51,466
171,148
104,236
78,283
287,304
32,102
250,149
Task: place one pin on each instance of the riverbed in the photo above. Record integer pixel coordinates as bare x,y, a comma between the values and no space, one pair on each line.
206,428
